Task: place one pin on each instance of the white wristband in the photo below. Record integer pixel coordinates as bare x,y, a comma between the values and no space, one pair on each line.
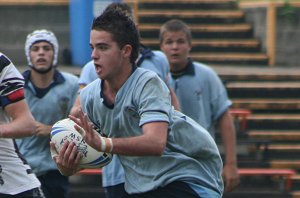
103,144
110,147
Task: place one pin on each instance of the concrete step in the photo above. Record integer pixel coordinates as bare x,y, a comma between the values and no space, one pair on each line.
212,31
276,151
187,4
275,135
229,14
267,104
292,164
258,74
231,58
273,121
270,89
191,16
284,148
214,45
204,27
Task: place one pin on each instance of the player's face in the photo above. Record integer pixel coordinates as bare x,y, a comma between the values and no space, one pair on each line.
176,47
106,54
42,55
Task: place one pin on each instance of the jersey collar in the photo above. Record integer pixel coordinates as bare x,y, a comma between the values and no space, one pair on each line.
145,53
57,78
188,70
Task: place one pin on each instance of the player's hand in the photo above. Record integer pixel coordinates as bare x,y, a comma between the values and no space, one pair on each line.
87,130
67,160
42,129
231,177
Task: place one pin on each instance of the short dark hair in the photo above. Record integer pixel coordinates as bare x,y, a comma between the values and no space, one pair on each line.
123,7
175,25
122,29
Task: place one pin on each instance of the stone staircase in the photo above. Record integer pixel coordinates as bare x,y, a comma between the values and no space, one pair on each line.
221,34
272,95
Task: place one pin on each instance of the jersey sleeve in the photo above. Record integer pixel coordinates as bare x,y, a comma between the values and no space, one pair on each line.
11,82
154,101
219,97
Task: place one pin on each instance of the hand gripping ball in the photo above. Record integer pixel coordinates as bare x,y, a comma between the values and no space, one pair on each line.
64,130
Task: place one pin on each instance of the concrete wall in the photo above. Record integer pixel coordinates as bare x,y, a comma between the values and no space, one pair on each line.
17,21
287,34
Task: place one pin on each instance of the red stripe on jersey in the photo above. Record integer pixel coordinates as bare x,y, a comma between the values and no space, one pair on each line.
17,95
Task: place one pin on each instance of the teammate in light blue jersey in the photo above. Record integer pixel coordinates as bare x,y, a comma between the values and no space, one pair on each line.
50,95
163,152
88,74
200,92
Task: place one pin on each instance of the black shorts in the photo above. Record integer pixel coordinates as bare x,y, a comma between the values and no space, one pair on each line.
33,193
175,189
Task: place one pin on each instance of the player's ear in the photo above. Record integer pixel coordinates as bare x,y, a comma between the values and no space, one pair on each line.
127,50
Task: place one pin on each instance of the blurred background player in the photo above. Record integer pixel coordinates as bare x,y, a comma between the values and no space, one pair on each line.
50,95
16,121
200,93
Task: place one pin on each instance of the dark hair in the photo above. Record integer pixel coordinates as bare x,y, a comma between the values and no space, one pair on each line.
121,27
122,7
175,25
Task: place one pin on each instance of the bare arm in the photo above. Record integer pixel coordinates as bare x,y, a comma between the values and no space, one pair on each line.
22,123
42,129
174,99
230,171
76,107
151,142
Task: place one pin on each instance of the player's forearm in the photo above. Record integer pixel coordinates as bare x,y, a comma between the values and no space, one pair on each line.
174,100
76,107
230,150
228,135
137,146
18,128
151,143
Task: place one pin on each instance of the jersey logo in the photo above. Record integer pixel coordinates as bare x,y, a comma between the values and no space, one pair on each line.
198,94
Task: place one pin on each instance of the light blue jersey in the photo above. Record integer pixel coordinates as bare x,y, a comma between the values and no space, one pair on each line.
207,97
113,173
88,74
47,108
191,154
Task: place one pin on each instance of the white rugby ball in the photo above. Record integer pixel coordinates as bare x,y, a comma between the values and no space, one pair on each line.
64,130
